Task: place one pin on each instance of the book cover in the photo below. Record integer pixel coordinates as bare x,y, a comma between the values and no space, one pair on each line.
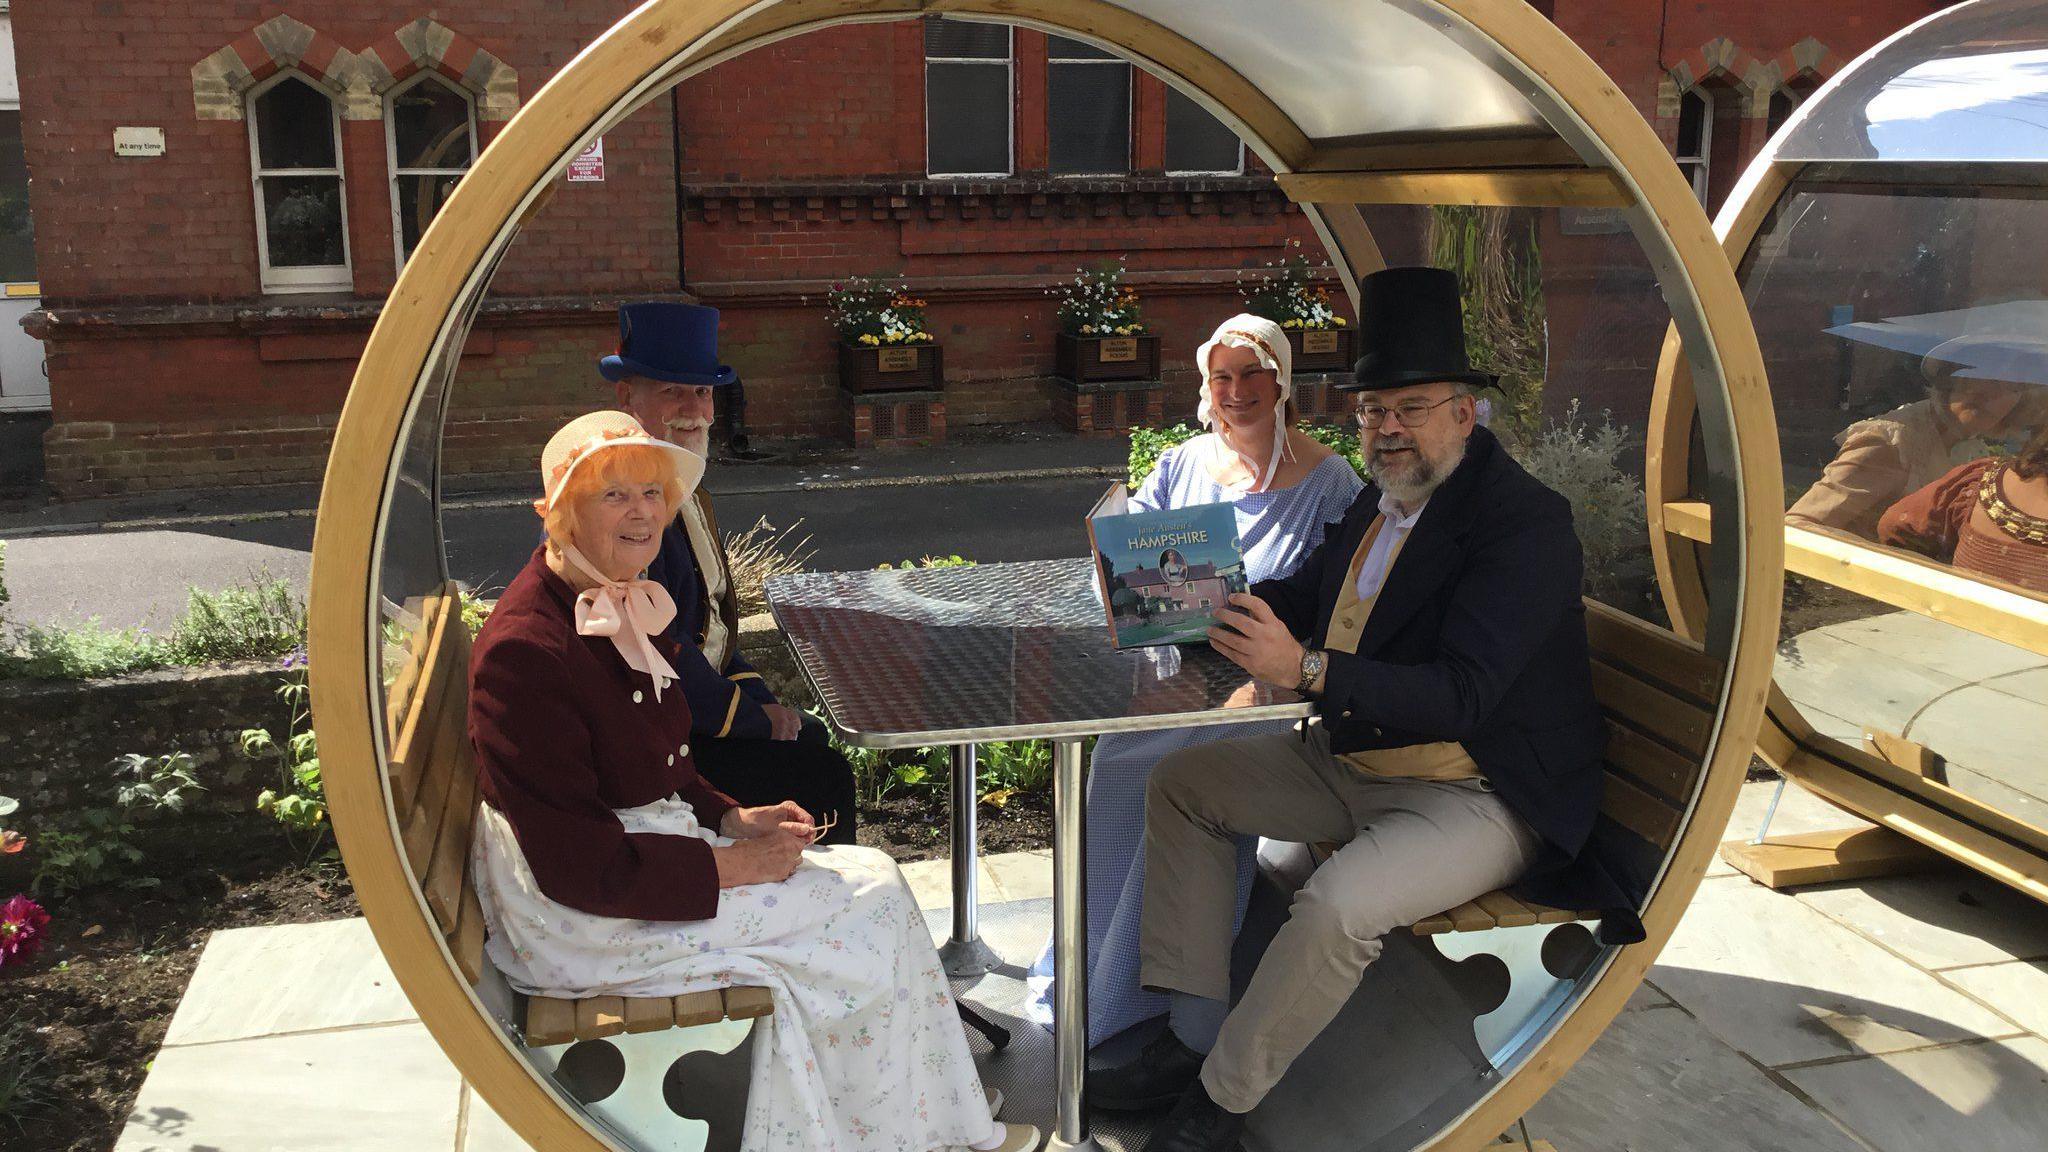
1163,575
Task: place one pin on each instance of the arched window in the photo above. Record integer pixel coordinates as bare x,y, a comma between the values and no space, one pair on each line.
1197,143
301,217
1696,138
430,138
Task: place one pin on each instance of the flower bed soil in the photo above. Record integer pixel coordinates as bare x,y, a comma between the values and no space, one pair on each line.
93,1005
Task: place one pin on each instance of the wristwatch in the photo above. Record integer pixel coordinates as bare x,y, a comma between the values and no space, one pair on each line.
1311,669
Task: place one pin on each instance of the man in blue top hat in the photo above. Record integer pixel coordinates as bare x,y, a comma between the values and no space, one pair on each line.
748,744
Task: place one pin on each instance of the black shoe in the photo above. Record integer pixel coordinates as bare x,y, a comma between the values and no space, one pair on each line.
1197,1124
1155,1079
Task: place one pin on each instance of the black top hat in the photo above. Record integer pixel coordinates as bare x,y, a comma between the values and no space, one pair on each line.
1413,331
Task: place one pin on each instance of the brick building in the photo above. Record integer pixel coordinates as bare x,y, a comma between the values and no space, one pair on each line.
224,190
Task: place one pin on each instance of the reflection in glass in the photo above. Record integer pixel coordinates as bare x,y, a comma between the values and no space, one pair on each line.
17,228
302,220
1988,517
294,126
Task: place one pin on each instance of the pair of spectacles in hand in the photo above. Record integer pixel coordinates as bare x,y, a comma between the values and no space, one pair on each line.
818,831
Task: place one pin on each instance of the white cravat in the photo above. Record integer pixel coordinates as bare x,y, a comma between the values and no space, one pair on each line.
1393,532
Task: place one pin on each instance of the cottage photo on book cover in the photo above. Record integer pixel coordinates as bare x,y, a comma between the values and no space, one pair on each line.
1166,574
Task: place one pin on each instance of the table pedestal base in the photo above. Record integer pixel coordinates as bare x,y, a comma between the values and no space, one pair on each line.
969,958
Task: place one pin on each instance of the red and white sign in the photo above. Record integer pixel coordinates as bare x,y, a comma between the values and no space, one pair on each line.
588,166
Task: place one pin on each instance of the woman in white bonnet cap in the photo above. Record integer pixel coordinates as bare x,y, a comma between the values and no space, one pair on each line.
1285,487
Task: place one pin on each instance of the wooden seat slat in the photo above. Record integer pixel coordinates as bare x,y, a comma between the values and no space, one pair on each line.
1651,710
1469,917
600,1016
549,1021
1638,811
447,871
1665,772
1624,641
418,738
467,941
450,758
1507,912
1432,925
745,1003
696,1008
649,1013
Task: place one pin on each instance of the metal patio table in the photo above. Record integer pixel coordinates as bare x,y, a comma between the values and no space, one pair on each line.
904,658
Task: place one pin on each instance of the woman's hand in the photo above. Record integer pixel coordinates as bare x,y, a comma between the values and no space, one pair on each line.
751,823
768,858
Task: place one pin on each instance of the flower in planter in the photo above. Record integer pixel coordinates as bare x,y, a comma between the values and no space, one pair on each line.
22,921
869,313
11,842
1289,295
1098,303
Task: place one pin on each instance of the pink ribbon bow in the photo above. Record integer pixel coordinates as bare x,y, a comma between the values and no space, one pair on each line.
629,612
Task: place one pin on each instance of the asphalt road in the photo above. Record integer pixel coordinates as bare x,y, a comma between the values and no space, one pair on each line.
140,578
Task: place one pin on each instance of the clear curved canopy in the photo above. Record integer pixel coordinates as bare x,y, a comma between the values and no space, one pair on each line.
1969,87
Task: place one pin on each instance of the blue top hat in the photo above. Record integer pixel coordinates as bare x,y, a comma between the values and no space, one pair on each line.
659,340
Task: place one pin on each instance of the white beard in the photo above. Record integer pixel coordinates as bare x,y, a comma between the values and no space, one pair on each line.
1434,471
692,437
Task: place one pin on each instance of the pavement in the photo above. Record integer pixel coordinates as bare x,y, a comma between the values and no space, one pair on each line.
1902,1014
131,562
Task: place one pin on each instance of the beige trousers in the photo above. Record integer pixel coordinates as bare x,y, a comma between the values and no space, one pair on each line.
1412,848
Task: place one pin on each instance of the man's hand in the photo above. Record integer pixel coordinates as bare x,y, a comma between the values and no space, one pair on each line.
784,722
757,823
1256,641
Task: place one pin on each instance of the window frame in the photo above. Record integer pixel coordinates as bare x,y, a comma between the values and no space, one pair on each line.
1009,65
1698,168
1130,108
1166,142
314,278
425,76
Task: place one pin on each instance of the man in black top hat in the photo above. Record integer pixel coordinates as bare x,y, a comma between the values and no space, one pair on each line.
748,744
1440,633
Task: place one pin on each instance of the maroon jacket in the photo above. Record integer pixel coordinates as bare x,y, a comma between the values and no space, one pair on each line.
565,733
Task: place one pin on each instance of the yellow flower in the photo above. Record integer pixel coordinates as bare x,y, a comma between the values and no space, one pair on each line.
1338,321
868,338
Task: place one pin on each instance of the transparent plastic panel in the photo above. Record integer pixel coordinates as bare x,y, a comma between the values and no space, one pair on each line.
1966,87
1906,335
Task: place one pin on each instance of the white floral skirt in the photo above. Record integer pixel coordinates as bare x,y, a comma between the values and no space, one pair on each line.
865,1050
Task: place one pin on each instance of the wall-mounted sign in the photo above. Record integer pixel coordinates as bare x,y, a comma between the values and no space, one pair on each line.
138,141
588,166
896,360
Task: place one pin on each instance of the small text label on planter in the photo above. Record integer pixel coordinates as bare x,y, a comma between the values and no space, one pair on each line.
896,360
1319,340
1119,350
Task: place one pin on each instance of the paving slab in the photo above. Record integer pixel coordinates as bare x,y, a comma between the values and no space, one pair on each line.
378,1089
2029,685
1943,647
483,1130
1827,670
1023,875
1658,1081
2018,989
1941,919
1980,1097
931,881
1783,983
287,978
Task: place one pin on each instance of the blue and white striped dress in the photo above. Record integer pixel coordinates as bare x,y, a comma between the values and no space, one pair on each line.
1278,530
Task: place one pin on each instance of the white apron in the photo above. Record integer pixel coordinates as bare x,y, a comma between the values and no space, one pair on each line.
865,1050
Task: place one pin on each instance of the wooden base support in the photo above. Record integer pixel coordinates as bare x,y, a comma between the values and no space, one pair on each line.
1821,857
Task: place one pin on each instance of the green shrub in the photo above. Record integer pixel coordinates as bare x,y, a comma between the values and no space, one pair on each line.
34,652
97,847
3,573
1578,461
475,610
1013,768
248,622
934,562
1149,444
299,802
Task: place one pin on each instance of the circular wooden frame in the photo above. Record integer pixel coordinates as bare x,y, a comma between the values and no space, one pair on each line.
1888,795
1625,166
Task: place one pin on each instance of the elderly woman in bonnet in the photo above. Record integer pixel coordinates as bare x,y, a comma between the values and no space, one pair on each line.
606,866
1285,487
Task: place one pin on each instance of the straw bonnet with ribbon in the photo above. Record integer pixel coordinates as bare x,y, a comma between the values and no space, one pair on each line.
628,612
1267,341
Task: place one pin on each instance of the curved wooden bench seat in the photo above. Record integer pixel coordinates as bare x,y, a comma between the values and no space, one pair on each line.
1656,690
434,795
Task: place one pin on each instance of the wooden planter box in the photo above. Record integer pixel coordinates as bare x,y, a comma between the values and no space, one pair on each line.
1322,349
891,368
1085,358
